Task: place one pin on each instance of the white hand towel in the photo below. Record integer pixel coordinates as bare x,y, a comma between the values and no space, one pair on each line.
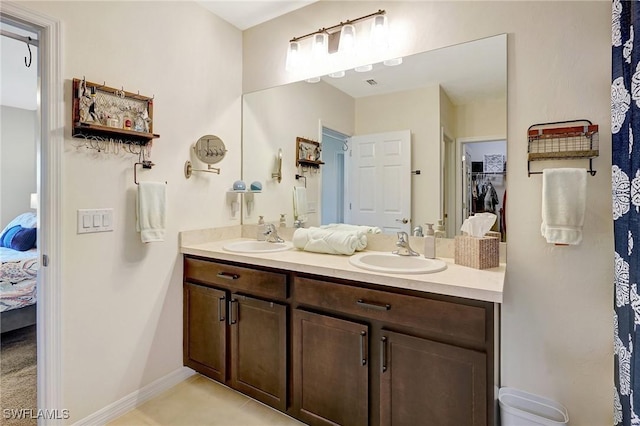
151,207
349,227
299,202
564,198
329,241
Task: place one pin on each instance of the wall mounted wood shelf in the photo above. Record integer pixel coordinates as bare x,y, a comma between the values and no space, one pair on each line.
308,153
101,112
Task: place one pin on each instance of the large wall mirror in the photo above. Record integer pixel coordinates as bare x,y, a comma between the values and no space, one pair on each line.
401,145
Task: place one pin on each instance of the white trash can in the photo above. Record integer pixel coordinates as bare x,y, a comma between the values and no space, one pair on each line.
519,408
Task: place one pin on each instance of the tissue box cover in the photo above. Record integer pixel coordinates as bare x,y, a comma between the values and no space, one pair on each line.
478,253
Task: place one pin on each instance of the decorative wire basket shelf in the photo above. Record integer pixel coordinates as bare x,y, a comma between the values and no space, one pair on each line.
578,139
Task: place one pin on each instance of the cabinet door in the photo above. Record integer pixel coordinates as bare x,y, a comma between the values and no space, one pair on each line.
205,330
259,349
429,383
330,370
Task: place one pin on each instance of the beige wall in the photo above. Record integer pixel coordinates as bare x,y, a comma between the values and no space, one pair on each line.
482,118
556,317
17,162
122,300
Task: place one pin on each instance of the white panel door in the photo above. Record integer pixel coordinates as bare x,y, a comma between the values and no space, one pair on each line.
380,184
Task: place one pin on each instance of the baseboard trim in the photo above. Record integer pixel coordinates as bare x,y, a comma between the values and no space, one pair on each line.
136,398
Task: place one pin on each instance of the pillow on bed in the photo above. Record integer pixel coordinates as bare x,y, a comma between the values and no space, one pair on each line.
26,220
19,238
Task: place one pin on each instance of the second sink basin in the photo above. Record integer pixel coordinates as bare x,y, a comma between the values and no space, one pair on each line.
396,264
253,246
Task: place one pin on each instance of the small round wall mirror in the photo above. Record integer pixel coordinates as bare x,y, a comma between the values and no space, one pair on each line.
210,149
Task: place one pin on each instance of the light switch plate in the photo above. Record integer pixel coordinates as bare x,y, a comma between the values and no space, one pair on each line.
95,220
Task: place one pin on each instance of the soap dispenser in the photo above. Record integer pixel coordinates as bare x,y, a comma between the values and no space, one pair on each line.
283,221
429,242
261,229
440,232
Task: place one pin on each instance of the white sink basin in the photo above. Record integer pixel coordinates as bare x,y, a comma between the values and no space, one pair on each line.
396,264
254,246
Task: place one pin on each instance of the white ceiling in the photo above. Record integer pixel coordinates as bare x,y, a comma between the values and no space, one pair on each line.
450,67
245,14
468,72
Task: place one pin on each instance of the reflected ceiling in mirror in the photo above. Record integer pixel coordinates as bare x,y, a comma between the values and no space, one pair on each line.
467,72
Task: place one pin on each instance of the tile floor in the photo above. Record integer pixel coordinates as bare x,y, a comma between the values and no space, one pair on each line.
199,401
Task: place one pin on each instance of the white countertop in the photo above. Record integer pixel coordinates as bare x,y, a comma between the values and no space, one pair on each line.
456,280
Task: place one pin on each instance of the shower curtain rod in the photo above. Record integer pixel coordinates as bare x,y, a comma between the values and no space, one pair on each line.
24,39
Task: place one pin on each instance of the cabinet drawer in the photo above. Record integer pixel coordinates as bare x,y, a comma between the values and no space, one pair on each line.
445,318
262,283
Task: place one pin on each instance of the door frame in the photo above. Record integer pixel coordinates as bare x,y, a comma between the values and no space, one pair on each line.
50,148
460,142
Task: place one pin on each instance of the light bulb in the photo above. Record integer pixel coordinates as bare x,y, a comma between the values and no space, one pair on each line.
380,32
347,43
313,80
293,56
337,74
320,48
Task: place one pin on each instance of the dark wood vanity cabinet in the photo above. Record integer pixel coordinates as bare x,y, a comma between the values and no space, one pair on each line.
205,330
426,382
237,338
428,358
259,349
330,351
330,370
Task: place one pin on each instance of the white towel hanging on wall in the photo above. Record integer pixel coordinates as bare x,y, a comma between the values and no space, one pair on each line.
564,199
151,206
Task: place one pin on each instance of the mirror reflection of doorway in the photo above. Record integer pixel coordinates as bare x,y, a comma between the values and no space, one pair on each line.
484,180
334,148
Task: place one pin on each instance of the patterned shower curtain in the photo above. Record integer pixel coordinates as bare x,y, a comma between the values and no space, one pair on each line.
625,127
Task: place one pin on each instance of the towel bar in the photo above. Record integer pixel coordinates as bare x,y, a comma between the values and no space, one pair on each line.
146,164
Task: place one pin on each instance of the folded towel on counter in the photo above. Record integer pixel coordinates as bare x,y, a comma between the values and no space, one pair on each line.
329,241
348,227
151,207
564,198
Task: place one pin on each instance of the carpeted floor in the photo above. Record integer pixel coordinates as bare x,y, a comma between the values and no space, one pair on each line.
18,376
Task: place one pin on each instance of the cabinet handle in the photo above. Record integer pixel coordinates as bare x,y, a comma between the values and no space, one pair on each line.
228,276
232,320
363,347
221,308
376,306
383,354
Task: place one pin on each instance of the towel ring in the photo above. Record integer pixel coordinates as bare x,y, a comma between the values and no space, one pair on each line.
146,164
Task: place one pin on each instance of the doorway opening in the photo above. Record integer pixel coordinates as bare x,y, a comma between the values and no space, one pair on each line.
49,151
334,147
19,139
484,180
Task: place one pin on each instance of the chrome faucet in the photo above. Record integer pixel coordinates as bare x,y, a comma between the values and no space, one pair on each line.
271,234
417,231
403,246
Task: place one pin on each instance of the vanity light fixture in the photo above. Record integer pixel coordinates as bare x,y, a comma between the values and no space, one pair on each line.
323,44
